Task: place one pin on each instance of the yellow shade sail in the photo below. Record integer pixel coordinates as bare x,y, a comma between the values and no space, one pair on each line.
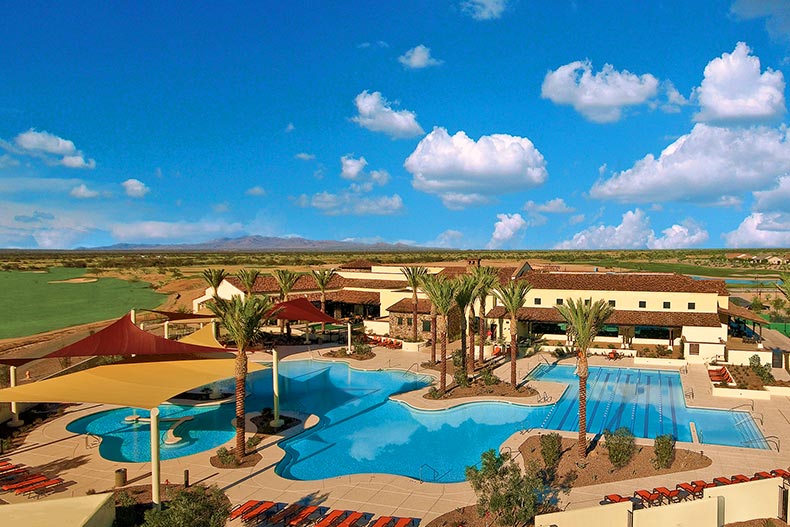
139,385
203,337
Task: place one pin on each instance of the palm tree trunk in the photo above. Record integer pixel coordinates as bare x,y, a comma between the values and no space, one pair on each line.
433,335
513,349
470,360
323,310
463,341
414,316
481,333
443,380
241,379
582,443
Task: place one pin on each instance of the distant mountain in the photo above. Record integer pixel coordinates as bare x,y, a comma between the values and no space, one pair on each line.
259,243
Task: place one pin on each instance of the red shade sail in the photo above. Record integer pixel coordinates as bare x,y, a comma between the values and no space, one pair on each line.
301,309
122,337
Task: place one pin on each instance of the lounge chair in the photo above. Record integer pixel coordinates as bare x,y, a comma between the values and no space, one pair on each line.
702,483
671,496
780,472
762,475
238,510
694,491
648,498
739,478
11,474
33,478
403,522
332,518
39,487
257,510
307,515
384,521
353,519
7,467
612,355
722,481
282,516
615,498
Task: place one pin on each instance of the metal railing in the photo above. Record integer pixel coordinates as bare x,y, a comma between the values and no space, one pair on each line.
435,472
689,393
750,404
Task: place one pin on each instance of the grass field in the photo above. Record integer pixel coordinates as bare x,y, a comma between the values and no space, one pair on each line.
32,304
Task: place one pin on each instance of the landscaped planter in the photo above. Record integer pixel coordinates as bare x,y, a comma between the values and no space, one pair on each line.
779,391
761,395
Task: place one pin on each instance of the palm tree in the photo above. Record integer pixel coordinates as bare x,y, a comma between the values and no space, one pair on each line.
248,277
486,280
322,279
286,279
512,295
464,294
214,278
584,319
428,282
784,287
413,276
242,318
442,294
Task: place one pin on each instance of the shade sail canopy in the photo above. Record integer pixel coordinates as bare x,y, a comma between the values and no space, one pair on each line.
203,337
124,338
177,315
139,385
301,309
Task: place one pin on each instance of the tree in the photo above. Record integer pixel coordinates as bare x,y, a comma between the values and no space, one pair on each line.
584,319
784,284
504,491
214,278
286,279
513,295
414,275
442,294
427,281
322,279
486,280
248,277
464,294
242,318
196,506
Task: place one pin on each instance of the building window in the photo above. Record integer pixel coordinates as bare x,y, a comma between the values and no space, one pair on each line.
693,349
612,303
692,306
537,301
400,321
426,325
408,321
559,301
642,303
666,305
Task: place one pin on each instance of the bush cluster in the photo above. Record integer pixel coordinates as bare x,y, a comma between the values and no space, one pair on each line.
763,371
551,449
459,368
225,456
621,446
488,377
664,449
194,507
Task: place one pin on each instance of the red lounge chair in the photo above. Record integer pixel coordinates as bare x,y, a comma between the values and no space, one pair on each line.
722,481
648,498
694,491
672,496
762,475
615,498
383,521
33,478
304,515
702,483
403,522
8,467
38,487
739,478
352,519
283,515
13,473
780,472
612,355
241,509
252,514
333,518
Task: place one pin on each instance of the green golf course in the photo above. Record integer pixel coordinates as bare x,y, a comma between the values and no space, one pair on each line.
33,302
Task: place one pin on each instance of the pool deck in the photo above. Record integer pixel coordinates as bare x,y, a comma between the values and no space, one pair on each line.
52,449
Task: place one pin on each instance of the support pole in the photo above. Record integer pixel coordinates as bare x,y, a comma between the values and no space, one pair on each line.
276,422
133,316
155,476
348,350
15,421
167,329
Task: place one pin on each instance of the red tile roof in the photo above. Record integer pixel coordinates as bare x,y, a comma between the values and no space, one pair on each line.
348,297
657,282
268,284
405,306
737,311
619,317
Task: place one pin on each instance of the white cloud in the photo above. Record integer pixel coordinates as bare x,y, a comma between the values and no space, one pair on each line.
449,239
376,114
761,230
774,199
461,201
256,191
484,9
304,156
221,207
16,185
454,166
634,232
576,219
135,188
178,231
600,97
674,99
775,12
418,57
733,89
352,168
380,177
351,203
706,164
7,161
508,226
553,206
83,192
46,146
289,128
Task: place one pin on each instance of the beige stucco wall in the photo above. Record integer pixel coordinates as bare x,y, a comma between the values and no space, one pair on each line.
746,501
696,513
97,510
629,300
614,515
389,298
740,357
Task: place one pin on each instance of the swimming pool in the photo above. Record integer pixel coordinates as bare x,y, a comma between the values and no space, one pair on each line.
361,430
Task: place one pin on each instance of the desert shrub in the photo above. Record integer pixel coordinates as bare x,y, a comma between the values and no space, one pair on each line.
662,350
196,506
621,446
253,441
664,448
551,449
488,377
225,456
361,349
763,371
434,393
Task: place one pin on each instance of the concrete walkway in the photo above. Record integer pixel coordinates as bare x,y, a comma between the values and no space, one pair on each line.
53,449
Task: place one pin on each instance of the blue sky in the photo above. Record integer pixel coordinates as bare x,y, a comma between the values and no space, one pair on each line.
466,124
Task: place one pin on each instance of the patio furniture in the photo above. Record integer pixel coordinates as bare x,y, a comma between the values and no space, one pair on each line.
29,480
403,522
383,521
739,478
11,474
353,519
238,510
613,355
39,488
615,498
307,515
256,511
762,475
722,481
702,483
695,491
332,518
282,516
672,496
782,473
648,498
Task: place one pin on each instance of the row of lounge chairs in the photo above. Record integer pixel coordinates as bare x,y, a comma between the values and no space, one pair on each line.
17,479
256,512
393,344
689,491
720,375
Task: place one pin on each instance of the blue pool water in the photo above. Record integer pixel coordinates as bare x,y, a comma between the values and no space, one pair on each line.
362,431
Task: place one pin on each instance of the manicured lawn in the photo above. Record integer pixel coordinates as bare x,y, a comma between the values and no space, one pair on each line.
31,304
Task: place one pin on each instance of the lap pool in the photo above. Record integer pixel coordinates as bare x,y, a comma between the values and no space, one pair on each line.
361,430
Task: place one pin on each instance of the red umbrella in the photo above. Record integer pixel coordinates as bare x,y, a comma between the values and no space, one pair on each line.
301,309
